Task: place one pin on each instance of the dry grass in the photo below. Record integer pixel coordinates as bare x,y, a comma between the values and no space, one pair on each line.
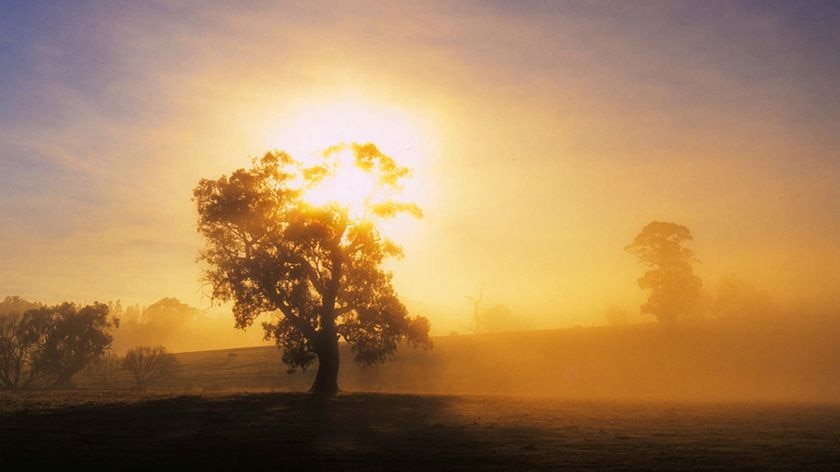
412,432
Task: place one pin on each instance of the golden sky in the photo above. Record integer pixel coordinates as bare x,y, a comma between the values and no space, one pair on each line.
542,139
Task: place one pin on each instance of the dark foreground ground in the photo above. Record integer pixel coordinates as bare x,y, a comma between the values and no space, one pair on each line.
406,432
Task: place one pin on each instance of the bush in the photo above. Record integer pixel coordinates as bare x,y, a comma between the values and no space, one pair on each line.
149,365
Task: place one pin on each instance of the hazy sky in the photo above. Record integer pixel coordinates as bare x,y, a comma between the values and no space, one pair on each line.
544,135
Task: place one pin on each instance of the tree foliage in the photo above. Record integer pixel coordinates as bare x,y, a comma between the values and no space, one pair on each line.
15,305
674,289
167,321
149,365
48,345
23,340
316,268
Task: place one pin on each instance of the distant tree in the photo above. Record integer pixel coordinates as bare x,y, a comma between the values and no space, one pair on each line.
115,308
493,319
499,318
23,339
316,267
167,321
15,305
131,314
169,311
674,289
105,370
47,346
476,315
79,336
149,365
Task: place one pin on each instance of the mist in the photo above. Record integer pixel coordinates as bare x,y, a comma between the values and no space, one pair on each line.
737,343
779,357
537,164
446,235
713,360
178,327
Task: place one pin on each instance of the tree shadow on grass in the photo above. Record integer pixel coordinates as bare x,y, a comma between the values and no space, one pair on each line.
350,432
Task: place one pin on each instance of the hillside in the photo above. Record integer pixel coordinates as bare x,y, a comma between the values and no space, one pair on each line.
713,360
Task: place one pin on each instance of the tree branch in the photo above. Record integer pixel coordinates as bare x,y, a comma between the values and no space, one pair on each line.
311,274
342,310
296,320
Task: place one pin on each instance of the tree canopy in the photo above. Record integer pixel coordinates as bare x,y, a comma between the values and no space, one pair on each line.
671,280
47,345
317,268
148,365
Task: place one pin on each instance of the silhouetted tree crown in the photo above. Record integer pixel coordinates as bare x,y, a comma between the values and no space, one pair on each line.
149,365
317,268
169,311
671,280
48,345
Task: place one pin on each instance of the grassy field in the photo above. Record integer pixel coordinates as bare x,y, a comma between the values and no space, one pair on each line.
790,360
411,432
699,398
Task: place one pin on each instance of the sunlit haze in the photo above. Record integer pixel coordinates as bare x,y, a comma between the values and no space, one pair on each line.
541,139
440,235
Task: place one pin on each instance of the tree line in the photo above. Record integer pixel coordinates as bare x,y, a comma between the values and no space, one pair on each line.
45,346
316,272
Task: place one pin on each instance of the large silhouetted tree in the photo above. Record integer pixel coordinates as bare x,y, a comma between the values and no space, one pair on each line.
674,289
317,268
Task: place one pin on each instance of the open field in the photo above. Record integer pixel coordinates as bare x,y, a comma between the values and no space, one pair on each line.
412,432
657,399
717,360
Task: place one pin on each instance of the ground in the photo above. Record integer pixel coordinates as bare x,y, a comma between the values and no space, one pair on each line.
359,431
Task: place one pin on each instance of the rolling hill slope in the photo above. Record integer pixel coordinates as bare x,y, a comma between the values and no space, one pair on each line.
713,360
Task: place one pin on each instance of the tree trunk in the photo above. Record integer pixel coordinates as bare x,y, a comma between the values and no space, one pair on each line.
326,345
326,380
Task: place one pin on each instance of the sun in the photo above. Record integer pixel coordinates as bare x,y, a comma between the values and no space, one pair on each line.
305,131
346,184
312,125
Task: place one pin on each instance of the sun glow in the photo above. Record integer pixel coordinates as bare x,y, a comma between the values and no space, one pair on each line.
346,185
307,130
314,125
